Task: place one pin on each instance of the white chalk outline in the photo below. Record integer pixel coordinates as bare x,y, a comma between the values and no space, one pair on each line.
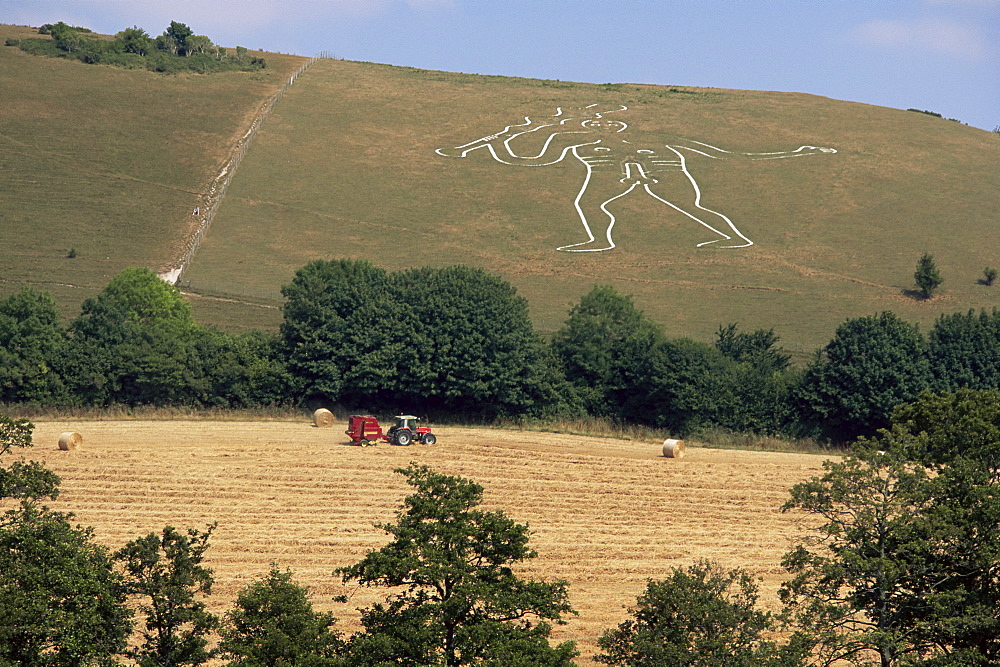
590,122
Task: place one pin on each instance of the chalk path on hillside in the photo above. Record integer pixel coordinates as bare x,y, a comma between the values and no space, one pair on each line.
616,166
205,213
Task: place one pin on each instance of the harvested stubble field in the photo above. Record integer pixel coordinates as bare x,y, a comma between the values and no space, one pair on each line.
606,514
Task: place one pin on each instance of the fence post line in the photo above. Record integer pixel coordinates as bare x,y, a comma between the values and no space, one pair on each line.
218,190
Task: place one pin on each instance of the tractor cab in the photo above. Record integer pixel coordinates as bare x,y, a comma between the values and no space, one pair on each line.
407,421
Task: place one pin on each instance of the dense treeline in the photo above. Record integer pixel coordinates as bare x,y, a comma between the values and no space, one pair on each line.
178,49
457,342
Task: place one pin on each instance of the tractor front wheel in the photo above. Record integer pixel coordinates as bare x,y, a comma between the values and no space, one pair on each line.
429,439
403,437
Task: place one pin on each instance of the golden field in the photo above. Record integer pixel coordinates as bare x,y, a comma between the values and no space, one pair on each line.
606,514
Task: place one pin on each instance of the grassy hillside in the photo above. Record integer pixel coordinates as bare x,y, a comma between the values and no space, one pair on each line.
345,167
108,162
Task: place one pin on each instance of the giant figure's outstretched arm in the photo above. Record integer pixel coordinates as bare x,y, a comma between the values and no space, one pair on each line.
707,150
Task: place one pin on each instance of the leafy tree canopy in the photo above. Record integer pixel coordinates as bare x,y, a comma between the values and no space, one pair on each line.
459,602
165,575
927,276
32,342
873,364
62,601
25,480
604,336
273,623
702,616
905,563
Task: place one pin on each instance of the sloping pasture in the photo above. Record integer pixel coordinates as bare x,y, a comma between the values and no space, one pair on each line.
109,163
345,167
606,515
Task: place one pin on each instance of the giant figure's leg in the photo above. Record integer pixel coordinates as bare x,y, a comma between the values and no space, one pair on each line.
598,221
716,222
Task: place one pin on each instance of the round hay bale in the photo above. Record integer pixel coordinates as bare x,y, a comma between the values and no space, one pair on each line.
323,418
673,449
70,440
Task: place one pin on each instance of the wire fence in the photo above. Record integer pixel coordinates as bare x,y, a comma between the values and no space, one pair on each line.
217,190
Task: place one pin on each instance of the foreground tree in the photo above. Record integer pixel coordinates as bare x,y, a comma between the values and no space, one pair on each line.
165,575
957,436
273,623
25,480
852,587
62,602
460,603
702,616
905,567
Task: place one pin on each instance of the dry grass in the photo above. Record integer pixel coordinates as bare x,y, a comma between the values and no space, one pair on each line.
606,514
345,168
109,162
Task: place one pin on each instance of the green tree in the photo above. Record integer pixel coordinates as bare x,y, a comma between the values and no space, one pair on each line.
135,40
853,588
66,37
273,623
702,616
957,436
458,601
602,345
758,348
905,567
32,344
165,575
197,45
455,339
474,349
989,276
963,350
242,370
178,34
63,604
873,364
132,344
24,480
927,276
683,385
339,329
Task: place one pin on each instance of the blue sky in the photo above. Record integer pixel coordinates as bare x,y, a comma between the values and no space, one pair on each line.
936,55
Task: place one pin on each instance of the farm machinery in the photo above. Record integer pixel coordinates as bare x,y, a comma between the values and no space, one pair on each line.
365,430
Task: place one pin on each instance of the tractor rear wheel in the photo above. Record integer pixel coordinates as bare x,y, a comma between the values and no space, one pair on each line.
403,437
429,439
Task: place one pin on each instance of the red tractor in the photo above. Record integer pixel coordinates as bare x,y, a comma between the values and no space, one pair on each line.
365,430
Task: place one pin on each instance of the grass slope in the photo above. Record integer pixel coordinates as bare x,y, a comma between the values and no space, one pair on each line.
108,162
346,167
